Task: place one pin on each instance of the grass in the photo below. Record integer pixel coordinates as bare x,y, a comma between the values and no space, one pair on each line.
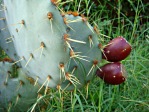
131,96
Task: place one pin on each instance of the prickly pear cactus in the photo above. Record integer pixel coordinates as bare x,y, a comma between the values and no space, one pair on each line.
58,52
16,91
85,54
38,38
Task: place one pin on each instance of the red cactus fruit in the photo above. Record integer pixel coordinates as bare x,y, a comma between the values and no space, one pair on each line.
112,73
117,49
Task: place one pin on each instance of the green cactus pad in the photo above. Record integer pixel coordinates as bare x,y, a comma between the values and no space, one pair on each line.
38,38
55,52
16,94
6,42
88,55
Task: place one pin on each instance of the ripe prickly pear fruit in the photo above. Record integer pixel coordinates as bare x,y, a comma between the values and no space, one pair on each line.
117,49
112,73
